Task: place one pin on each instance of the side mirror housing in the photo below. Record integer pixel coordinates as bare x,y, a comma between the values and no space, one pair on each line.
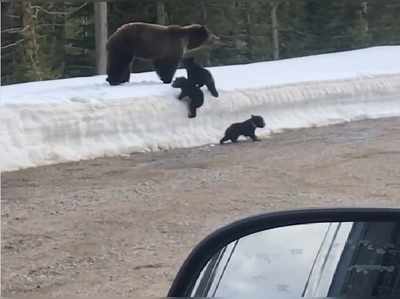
248,253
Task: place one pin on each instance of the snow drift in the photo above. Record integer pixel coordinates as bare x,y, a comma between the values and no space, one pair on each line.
72,119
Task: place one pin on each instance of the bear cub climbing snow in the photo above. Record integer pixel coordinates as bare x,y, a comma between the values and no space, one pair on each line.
246,128
192,92
199,75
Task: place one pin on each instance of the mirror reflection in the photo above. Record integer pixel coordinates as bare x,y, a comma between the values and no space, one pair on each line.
357,259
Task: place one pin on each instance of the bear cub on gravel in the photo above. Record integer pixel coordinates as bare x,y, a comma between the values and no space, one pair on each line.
199,75
246,128
192,92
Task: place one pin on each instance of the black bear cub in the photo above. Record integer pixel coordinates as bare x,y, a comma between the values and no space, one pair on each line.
191,91
199,75
246,128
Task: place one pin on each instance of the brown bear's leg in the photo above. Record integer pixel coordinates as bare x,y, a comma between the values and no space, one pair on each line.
118,70
165,69
126,75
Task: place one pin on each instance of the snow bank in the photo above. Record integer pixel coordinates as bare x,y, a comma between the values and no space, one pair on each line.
67,120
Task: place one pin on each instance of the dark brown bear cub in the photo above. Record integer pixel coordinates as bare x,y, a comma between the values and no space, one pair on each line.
246,128
163,45
192,92
199,75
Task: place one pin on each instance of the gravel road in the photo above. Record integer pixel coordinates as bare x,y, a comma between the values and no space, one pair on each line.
122,226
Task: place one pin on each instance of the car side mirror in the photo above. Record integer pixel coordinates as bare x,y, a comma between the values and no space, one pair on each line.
351,252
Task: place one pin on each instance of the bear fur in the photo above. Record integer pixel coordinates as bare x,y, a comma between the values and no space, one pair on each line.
192,92
199,75
163,45
246,128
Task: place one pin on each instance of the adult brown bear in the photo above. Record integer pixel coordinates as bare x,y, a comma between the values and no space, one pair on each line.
163,45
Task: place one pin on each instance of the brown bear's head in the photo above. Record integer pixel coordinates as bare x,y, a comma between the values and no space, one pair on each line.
198,36
188,61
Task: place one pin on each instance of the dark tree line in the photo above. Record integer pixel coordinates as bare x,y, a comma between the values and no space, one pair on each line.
42,39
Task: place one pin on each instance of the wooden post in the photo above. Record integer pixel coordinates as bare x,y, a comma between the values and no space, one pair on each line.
100,16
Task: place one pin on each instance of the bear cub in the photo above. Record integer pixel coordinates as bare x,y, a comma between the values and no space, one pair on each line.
246,128
199,75
192,92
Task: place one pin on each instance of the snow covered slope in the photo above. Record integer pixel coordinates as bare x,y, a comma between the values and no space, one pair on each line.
66,120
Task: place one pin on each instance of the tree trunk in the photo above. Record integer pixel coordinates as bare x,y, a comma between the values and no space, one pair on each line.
363,17
8,55
203,7
249,30
203,12
162,16
57,42
275,31
31,44
100,13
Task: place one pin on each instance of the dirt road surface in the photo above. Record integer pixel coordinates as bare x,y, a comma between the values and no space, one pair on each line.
122,226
